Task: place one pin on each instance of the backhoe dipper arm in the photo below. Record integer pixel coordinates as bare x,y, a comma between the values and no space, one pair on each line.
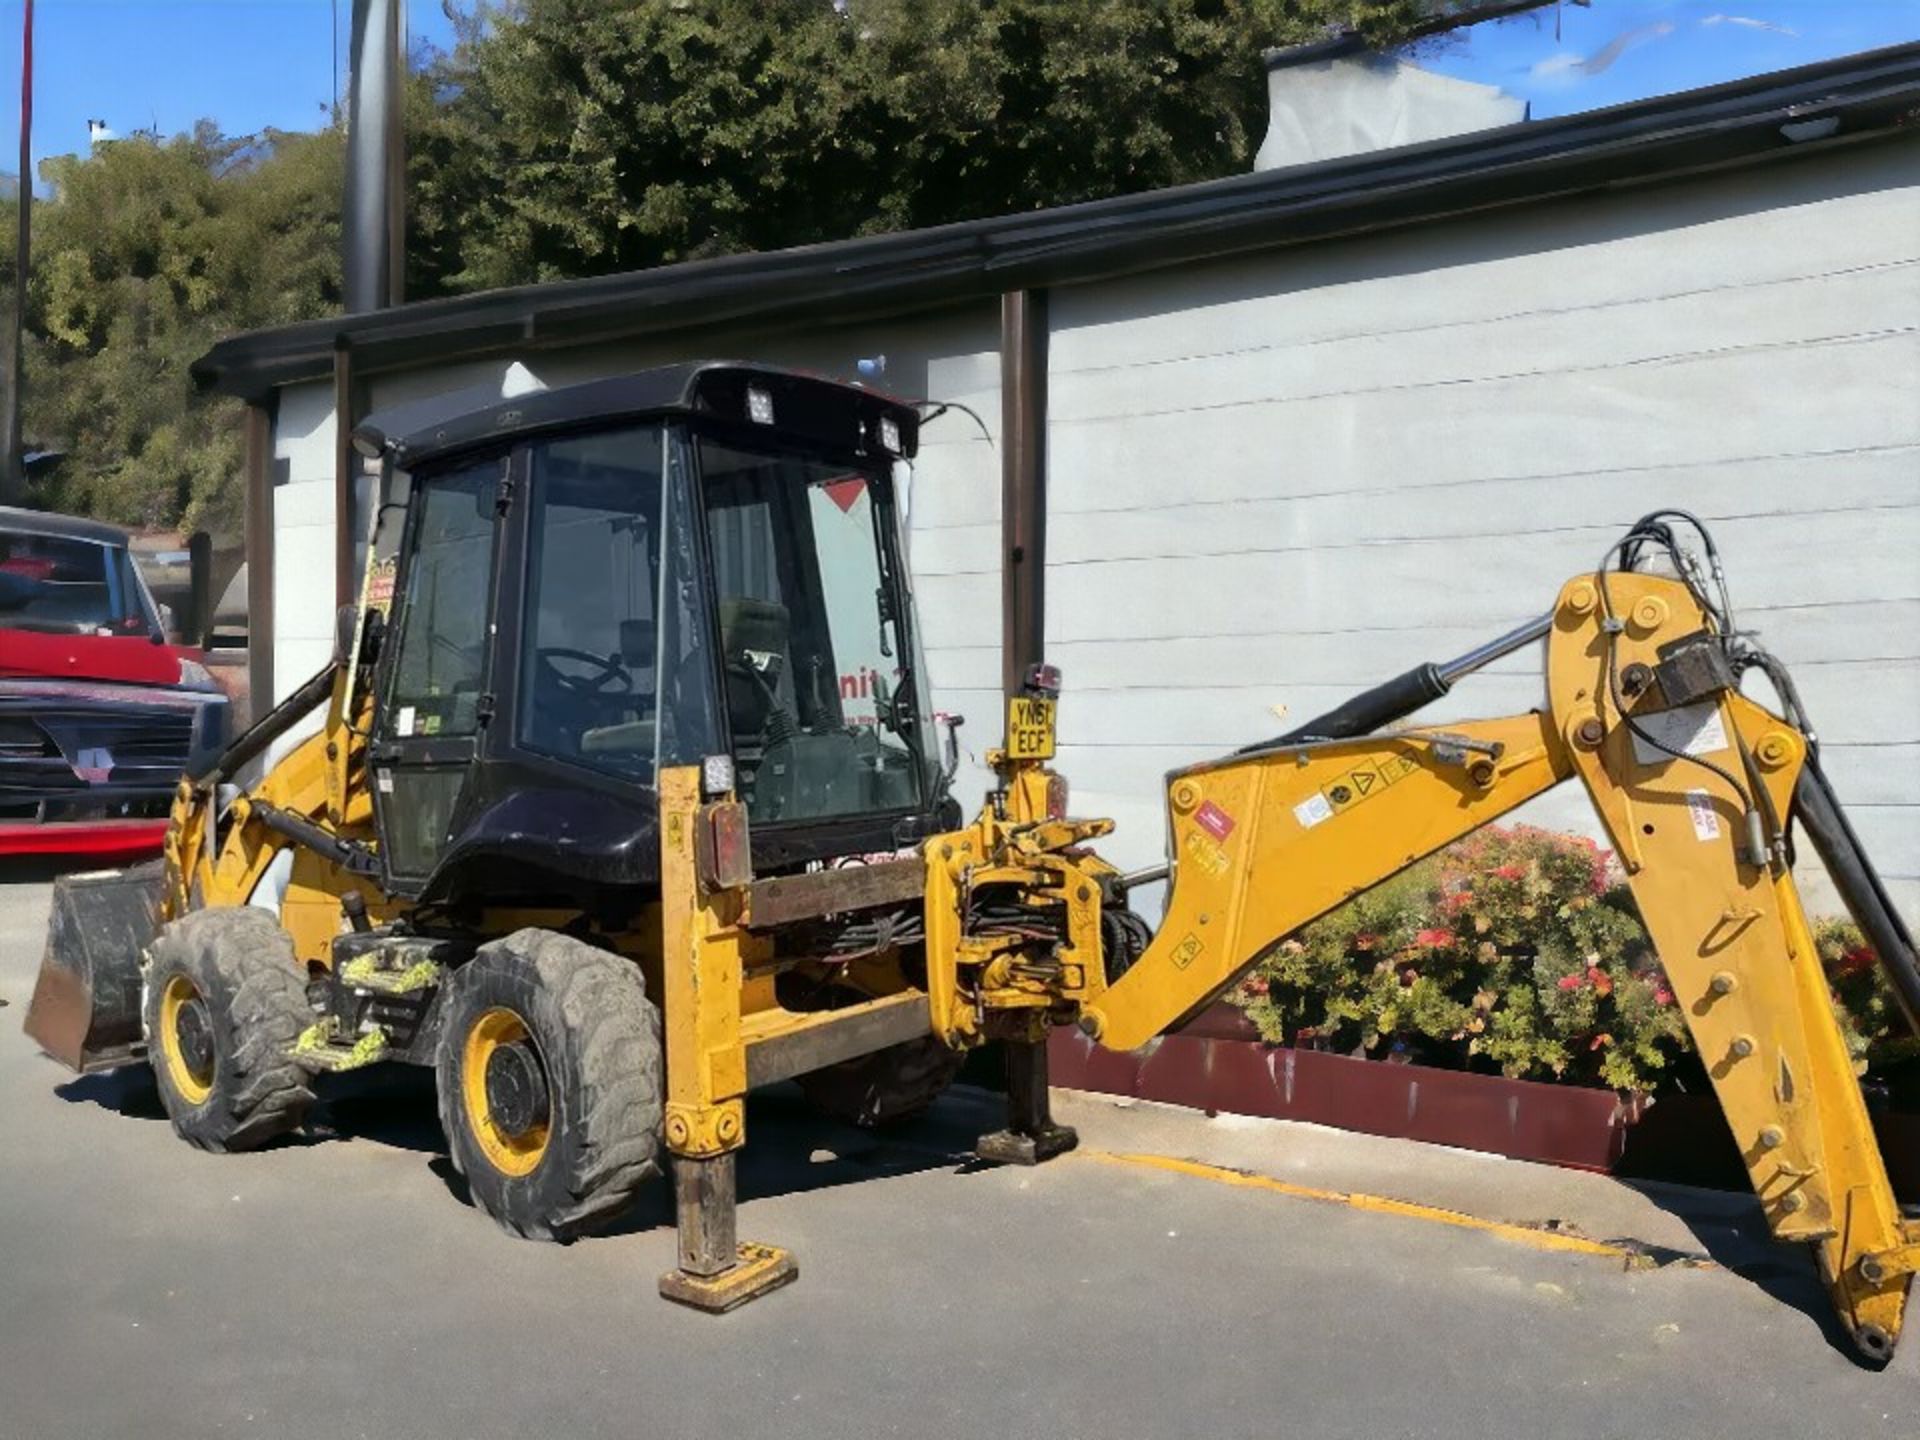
1694,788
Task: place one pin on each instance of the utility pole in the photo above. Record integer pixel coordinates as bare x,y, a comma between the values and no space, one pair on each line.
373,226
13,478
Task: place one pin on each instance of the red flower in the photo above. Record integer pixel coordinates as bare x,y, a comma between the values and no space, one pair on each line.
1662,995
1433,939
1511,872
1365,940
1600,1040
1856,960
1255,985
1602,982
1572,982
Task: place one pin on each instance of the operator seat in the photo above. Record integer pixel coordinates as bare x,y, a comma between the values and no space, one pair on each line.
754,639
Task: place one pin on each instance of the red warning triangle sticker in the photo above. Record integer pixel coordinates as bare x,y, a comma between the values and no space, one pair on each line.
845,493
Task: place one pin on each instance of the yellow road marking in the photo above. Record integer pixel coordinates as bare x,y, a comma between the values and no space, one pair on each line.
1380,1205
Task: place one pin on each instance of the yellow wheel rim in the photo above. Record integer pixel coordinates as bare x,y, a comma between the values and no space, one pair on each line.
186,1048
508,1152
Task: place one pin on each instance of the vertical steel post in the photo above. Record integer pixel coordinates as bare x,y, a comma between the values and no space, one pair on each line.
1023,482
346,466
1031,1135
13,475
395,140
259,543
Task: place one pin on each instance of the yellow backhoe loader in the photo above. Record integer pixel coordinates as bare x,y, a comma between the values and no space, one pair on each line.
625,797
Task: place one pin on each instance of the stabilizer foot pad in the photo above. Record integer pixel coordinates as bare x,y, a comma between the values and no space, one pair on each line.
1005,1147
759,1269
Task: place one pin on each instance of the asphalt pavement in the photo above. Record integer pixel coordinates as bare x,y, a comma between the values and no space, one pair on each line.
339,1285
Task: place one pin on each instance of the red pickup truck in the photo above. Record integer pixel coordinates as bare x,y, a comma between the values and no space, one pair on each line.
99,714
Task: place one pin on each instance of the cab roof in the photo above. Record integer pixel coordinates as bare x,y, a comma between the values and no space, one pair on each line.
810,410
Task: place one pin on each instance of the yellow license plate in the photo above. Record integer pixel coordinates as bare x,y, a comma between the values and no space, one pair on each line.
1029,728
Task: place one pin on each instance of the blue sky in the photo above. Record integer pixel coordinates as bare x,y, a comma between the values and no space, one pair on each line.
249,64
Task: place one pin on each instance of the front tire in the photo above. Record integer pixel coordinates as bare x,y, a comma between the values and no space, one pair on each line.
549,1071
223,1004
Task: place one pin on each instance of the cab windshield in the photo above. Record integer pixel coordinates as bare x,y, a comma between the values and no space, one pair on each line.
820,692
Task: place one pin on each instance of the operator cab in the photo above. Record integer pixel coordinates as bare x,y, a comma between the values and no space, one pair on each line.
582,586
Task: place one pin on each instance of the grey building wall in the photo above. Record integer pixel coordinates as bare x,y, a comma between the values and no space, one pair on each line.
1278,479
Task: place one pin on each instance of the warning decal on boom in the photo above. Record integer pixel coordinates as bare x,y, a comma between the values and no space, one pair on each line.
1364,781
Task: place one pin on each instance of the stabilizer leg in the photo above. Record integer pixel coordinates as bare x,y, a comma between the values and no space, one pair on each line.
717,1271
1031,1135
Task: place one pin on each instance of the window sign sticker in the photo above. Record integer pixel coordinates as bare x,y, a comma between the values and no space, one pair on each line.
1312,810
1686,729
403,722
1706,824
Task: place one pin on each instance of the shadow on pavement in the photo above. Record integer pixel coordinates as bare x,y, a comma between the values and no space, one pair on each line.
1733,1234
794,1148
128,1091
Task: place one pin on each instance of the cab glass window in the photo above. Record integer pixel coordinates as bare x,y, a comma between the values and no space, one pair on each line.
587,683
439,669
812,653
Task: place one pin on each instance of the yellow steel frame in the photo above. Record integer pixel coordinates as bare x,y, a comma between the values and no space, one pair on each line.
1261,843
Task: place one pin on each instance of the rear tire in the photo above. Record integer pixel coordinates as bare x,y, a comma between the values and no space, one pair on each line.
888,1087
223,1001
549,1069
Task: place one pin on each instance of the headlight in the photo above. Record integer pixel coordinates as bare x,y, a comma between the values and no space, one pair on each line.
195,676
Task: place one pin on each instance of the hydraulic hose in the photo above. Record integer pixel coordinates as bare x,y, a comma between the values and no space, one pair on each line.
1860,887
1370,709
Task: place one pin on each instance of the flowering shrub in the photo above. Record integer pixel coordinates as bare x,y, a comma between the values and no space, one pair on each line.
1518,949
1863,999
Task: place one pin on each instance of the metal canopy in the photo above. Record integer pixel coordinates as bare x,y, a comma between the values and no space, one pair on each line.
1741,123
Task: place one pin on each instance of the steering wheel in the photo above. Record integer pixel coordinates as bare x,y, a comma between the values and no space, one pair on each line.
610,677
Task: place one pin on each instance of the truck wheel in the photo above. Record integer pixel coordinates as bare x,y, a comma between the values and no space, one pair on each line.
888,1087
549,1067
224,1001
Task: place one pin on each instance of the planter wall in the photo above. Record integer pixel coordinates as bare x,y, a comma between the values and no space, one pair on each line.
1217,1062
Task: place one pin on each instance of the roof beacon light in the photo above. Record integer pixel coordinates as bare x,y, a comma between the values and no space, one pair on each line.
1043,680
759,405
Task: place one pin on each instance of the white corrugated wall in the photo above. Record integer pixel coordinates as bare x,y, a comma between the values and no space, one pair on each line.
1278,480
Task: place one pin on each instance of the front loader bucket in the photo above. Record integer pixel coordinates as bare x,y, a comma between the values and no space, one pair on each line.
86,1004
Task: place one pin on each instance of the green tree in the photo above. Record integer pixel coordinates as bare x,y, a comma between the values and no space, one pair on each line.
146,253
571,137
575,137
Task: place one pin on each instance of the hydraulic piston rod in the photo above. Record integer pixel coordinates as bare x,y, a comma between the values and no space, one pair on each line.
1482,656
1401,696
